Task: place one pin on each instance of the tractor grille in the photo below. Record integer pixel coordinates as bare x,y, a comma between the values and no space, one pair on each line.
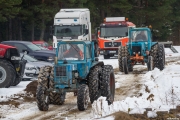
61,71
112,44
136,49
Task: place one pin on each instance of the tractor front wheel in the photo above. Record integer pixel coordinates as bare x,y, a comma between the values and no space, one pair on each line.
42,98
94,78
150,63
83,97
125,65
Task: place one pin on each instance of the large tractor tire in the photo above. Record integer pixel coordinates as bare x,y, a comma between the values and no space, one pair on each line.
123,52
42,98
94,85
55,98
150,63
108,83
7,74
82,97
154,54
161,56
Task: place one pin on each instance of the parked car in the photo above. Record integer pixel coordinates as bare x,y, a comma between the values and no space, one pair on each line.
32,67
33,50
42,43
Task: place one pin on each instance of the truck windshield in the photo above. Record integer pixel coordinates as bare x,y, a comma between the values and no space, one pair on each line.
71,52
68,31
113,31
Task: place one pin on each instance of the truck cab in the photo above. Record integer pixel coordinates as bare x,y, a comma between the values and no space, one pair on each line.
72,24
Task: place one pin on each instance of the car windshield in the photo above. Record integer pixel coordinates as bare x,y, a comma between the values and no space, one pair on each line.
28,58
68,30
113,31
71,52
33,47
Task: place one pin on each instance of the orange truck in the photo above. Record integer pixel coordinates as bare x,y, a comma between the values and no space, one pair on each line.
111,34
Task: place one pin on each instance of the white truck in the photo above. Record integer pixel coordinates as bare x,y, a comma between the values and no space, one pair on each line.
72,24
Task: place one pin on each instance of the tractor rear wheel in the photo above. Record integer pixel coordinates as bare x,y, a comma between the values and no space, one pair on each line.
125,65
94,78
55,98
123,52
150,63
108,83
7,74
42,98
161,56
82,97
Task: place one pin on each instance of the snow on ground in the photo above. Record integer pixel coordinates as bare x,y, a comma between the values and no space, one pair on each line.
160,91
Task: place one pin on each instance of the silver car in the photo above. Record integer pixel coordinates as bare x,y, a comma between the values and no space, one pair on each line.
32,67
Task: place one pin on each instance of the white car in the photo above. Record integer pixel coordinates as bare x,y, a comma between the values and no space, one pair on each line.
32,67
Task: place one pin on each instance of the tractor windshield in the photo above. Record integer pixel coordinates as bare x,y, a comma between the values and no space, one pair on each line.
68,31
71,52
113,31
138,35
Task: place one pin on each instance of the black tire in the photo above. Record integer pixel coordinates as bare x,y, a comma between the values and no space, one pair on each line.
94,87
161,56
106,56
123,52
17,81
125,65
55,98
108,83
154,54
41,98
150,63
82,97
7,74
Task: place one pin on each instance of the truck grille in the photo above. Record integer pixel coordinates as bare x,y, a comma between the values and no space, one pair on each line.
112,44
61,71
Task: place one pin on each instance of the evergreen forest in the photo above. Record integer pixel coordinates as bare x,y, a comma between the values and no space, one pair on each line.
31,19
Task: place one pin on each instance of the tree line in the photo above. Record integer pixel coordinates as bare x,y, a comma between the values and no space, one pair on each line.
31,19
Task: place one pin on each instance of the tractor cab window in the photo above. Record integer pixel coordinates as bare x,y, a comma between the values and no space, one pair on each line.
140,35
71,52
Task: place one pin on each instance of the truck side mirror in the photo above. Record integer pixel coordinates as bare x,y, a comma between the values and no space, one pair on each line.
126,33
25,52
86,31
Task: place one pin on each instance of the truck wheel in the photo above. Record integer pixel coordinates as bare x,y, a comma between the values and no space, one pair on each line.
17,81
106,56
41,98
108,83
7,74
161,56
94,78
150,63
83,97
154,54
55,98
125,65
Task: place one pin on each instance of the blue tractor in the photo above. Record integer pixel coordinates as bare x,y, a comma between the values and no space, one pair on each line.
141,50
76,69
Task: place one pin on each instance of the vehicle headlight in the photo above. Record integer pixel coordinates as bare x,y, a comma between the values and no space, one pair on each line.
30,68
